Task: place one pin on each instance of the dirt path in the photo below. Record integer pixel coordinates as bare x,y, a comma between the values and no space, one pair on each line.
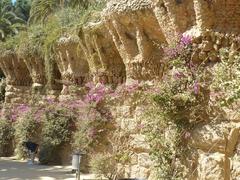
11,169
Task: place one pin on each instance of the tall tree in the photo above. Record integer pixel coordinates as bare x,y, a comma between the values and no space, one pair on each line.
10,24
22,9
7,3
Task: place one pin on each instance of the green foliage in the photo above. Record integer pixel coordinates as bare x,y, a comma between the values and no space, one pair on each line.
104,164
22,9
31,42
91,128
119,152
43,9
9,45
10,23
181,104
190,94
56,127
26,128
168,146
226,82
57,130
6,137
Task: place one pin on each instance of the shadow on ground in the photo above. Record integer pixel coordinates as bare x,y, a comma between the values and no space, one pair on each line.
19,170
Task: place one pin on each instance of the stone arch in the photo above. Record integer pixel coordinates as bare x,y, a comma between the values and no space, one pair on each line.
18,78
142,57
71,63
105,63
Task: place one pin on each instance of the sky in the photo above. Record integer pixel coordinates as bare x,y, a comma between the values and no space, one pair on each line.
13,1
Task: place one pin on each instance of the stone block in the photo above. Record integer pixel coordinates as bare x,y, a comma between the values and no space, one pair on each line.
213,166
144,160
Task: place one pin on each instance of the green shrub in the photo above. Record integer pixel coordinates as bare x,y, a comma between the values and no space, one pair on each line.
56,127
9,45
104,164
31,42
91,130
48,154
56,131
6,137
26,128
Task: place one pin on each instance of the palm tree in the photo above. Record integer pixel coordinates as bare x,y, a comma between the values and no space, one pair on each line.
41,9
22,9
10,24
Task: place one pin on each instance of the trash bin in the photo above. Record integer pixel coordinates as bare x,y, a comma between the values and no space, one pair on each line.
76,160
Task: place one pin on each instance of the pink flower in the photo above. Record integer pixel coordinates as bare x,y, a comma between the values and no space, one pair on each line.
96,93
196,87
50,100
186,40
178,75
187,135
90,85
92,133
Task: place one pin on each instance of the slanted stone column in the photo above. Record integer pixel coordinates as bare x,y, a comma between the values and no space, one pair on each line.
137,36
36,67
174,17
72,64
204,14
106,65
18,78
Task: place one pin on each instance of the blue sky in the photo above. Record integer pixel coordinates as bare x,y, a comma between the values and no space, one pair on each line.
13,1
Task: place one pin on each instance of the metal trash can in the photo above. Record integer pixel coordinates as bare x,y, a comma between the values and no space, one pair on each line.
76,160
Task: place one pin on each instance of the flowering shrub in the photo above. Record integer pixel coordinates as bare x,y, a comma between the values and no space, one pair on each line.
189,94
181,102
175,50
225,90
26,128
19,111
6,137
57,126
91,127
96,93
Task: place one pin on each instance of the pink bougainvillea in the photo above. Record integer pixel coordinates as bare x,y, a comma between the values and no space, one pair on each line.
177,49
96,93
186,40
19,111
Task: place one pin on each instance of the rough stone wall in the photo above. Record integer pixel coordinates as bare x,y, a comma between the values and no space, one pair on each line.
127,112
128,45
220,15
217,146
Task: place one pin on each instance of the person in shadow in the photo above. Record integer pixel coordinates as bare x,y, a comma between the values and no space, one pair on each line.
32,149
